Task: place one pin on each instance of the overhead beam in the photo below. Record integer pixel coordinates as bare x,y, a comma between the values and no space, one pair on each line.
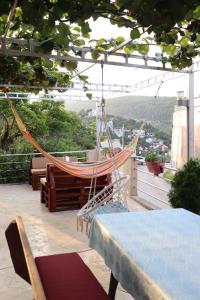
155,80
163,78
116,88
27,48
40,97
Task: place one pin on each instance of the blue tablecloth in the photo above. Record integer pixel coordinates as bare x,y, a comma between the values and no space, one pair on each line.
153,254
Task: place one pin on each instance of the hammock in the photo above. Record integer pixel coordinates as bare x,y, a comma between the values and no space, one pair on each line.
112,199
83,170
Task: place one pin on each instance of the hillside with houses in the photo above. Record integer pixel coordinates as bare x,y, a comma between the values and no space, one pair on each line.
122,131
155,111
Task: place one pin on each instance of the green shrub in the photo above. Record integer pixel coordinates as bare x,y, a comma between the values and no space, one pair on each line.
168,175
185,191
151,156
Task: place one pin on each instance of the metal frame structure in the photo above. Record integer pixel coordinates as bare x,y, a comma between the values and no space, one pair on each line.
40,97
78,86
22,47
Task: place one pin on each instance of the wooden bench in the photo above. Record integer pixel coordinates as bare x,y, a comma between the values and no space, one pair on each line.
62,191
38,170
53,277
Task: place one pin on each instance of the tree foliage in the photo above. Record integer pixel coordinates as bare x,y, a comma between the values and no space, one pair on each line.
174,25
55,128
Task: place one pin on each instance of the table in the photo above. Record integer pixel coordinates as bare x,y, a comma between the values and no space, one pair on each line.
153,254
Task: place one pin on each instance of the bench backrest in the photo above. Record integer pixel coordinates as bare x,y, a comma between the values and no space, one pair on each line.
58,178
71,158
22,258
41,162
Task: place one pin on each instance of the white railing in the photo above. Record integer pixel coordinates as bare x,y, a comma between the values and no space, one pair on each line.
153,189
15,167
147,188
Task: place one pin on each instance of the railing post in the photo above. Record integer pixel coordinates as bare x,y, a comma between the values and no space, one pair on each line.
91,155
130,168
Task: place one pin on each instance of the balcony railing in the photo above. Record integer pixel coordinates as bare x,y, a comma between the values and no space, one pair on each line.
146,188
153,189
15,167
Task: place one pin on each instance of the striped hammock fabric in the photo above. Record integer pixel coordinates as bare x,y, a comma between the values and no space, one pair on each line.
83,170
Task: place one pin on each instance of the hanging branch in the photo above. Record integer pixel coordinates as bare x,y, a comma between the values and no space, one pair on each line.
7,26
6,139
5,133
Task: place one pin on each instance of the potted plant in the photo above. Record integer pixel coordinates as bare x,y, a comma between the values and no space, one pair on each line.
185,187
110,153
107,152
154,163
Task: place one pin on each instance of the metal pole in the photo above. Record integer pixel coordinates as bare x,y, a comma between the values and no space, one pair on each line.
191,114
123,136
98,125
188,130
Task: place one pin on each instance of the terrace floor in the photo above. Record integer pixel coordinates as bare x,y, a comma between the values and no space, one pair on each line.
48,233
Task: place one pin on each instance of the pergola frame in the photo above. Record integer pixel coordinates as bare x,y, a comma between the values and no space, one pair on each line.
117,88
40,97
28,48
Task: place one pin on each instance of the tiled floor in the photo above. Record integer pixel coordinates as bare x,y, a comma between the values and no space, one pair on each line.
48,233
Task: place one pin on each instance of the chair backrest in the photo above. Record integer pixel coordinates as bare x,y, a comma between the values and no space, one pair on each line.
16,251
58,178
71,158
39,163
22,257
42,162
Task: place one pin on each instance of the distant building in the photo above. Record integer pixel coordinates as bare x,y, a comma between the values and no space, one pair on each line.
164,147
141,132
110,124
179,137
92,113
149,140
118,132
115,144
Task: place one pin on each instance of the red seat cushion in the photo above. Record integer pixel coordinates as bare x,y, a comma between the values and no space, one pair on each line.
66,277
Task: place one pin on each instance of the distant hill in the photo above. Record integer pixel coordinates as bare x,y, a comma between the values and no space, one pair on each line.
157,112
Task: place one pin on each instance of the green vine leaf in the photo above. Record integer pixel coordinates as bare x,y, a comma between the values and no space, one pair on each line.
95,54
135,34
143,49
196,13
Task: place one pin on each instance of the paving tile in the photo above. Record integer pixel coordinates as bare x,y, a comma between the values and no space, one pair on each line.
48,233
13,287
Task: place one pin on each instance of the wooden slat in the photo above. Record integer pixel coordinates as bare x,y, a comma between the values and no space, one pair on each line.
37,287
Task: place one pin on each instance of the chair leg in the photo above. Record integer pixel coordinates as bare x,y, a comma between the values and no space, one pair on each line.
34,182
52,201
112,287
42,194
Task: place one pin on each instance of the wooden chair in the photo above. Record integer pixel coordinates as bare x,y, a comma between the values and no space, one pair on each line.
38,170
53,277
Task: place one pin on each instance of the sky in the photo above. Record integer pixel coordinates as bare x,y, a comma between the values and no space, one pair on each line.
126,75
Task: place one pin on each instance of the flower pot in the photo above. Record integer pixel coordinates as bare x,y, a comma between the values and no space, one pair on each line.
155,167
113,152
109,154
